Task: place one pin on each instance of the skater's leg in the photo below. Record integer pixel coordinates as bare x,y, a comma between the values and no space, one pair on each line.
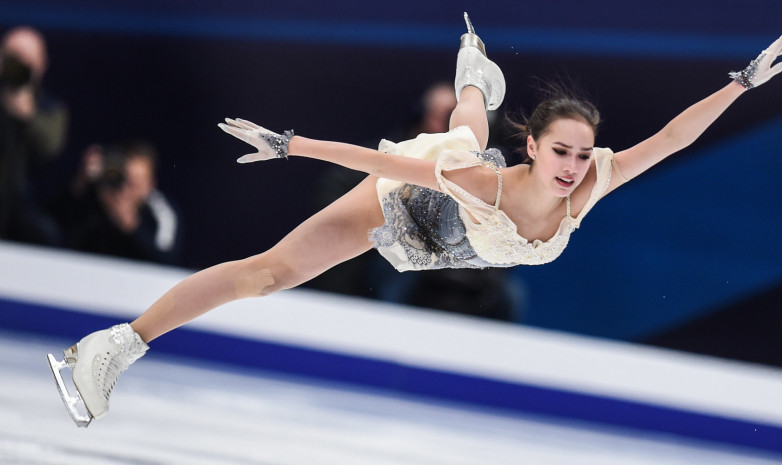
470,111
335,234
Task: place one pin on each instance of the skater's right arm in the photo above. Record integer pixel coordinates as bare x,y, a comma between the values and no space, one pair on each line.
476,180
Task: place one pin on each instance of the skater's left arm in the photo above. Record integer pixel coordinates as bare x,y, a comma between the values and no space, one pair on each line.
677,134
692,122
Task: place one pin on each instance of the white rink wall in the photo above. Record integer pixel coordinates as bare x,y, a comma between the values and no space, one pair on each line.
727,397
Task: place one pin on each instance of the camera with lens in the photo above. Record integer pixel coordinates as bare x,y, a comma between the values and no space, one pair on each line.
114,174
14,73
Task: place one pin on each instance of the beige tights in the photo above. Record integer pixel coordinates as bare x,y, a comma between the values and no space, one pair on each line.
202,292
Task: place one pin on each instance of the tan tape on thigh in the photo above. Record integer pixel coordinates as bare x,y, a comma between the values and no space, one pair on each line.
253,284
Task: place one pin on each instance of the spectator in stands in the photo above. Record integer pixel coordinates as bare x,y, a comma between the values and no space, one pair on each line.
116,209
32,132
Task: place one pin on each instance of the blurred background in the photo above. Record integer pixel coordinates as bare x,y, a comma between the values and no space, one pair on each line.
685,257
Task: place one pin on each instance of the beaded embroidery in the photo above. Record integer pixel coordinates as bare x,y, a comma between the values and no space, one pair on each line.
426,226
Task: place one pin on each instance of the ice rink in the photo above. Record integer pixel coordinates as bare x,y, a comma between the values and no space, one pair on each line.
167,411
308,378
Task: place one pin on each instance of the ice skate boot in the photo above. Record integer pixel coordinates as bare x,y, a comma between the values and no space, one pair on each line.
473,68
96,362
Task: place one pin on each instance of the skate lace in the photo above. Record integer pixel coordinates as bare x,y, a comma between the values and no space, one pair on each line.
110,366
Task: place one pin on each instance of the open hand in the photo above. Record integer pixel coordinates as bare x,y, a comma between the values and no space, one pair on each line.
269,144
760,69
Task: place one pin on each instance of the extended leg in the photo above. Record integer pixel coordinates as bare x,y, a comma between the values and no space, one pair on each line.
335,234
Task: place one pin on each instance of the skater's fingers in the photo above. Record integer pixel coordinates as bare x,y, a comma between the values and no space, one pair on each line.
248,124
240,123
251,157
236,132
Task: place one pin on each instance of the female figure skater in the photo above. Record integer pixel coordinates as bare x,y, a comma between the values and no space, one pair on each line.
440,200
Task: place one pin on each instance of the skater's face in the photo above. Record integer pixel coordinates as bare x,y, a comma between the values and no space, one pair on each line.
562,155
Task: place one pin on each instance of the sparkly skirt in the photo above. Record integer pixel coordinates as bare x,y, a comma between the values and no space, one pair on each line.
423,229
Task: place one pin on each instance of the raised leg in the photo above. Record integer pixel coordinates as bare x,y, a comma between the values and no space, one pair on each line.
474,68
470,112
479,85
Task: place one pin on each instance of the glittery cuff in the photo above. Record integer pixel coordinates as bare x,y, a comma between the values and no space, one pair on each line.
278,142
132,344
746,76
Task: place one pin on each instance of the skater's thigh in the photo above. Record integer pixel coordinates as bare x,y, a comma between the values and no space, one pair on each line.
337,233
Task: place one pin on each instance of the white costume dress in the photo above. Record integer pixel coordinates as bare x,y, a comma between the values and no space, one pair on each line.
426,229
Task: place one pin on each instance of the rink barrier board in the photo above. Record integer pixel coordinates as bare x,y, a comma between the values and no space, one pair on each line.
400,378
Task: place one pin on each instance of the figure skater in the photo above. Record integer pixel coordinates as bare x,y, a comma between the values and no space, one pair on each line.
439,200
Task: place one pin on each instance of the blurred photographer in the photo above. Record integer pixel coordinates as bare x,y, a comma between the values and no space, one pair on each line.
115,208
32,132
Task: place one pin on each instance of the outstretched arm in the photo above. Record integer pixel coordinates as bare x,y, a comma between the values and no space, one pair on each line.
382,165
272,145
679,133
692,122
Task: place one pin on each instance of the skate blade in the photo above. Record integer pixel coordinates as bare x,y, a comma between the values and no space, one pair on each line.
74,404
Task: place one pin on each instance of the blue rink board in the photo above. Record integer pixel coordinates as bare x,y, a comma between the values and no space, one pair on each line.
397,377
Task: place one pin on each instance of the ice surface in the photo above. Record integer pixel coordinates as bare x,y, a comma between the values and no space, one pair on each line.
166,411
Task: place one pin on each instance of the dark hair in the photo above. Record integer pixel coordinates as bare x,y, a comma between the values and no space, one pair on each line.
560,104
139,148
116,158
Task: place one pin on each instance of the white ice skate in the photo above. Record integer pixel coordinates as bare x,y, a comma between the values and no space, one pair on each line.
96,362
473,68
